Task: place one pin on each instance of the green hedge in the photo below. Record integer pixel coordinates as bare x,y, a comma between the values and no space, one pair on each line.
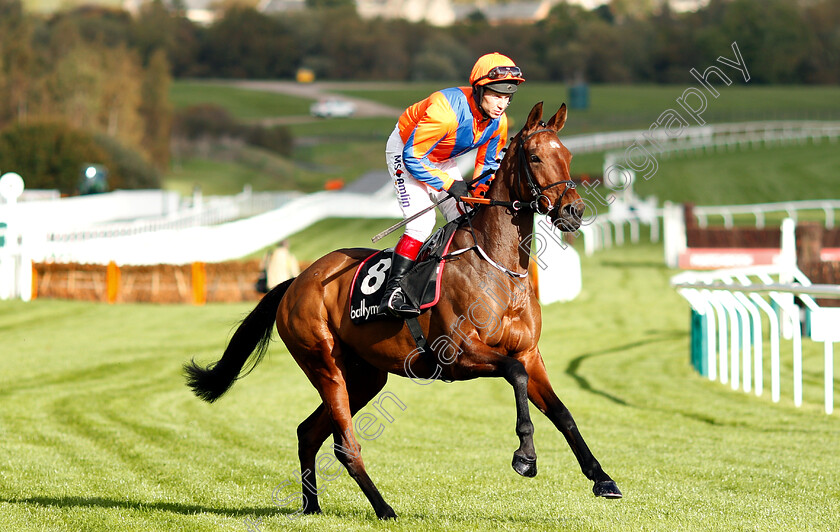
51,155
212,121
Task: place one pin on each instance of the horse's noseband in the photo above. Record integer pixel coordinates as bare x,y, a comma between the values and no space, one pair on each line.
538,192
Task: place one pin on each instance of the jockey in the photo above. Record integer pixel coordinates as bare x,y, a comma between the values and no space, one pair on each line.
421,153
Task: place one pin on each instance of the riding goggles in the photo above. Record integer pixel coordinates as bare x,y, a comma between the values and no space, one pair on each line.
502,72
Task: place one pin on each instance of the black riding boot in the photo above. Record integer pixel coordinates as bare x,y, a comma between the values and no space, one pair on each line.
394,301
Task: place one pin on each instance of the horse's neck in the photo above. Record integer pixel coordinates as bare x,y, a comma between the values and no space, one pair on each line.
505,238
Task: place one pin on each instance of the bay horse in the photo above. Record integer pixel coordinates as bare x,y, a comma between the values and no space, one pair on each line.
349,364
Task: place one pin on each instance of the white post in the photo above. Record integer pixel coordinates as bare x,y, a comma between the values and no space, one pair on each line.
588,233
829,376
755,339
734,332
675,237
797,361
788,314
774,345
711,354
787,264
11,187
723,364
654,229
740,333
24,274
619,232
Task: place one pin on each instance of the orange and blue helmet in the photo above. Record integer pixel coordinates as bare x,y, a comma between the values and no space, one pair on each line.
496,72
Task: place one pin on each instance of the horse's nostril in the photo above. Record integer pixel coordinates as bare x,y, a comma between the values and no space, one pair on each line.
574,210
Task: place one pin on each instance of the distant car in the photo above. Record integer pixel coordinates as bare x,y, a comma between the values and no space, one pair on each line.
332,107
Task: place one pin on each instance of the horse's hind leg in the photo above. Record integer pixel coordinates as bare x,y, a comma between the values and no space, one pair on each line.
345,387
363,383
542,395
311,434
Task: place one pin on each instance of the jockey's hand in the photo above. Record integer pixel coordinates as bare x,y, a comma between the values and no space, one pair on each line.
458,189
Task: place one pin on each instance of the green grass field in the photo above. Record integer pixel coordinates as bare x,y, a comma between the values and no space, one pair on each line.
241,103
233,167
613,107
99,432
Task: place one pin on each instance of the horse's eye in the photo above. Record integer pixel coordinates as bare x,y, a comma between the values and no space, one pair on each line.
534,158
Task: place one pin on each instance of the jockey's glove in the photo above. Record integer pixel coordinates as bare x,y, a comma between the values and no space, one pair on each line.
458,189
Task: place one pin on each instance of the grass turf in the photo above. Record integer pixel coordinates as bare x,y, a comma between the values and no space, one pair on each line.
99,432
616,107
243,104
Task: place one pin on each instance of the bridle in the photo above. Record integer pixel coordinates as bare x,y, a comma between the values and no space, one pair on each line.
538,196
516,206
538,192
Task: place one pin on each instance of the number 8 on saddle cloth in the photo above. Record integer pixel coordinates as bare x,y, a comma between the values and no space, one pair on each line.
421,284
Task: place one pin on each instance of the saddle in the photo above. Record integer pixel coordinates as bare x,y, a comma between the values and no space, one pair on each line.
421,284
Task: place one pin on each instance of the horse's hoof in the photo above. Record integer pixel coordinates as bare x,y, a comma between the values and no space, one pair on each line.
312,510
527,467
606,489
388,513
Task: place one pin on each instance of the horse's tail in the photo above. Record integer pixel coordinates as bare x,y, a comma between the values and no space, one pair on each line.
249,341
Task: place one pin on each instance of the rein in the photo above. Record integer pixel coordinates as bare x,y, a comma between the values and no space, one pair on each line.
537,193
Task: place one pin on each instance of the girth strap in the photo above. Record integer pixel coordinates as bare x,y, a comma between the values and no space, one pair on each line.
417,334
420,339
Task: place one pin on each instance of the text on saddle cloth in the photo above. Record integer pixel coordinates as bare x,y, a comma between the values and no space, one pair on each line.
421,284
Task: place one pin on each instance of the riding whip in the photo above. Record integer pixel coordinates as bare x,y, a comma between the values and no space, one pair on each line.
396,226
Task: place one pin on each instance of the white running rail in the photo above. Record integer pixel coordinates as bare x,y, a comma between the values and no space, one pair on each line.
728,334
726,136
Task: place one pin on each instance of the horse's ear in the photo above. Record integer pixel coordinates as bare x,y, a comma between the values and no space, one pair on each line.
534,117
558,120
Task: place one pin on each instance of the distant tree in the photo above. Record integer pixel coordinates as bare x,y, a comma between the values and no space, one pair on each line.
154,29
353,44
99,25
604,61
50,155
184,55
245,43
16,61
622,9
156,109
61,35
671,53
330,4
772,36
127,168
205,121
443,58
476,17
74,88
823,20
121,98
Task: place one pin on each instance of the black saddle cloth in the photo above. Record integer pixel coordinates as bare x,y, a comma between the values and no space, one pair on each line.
421,284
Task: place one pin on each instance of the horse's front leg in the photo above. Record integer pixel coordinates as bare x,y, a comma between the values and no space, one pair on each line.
542,395
486,363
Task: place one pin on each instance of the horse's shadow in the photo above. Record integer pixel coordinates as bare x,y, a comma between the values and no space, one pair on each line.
573,367
185,509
